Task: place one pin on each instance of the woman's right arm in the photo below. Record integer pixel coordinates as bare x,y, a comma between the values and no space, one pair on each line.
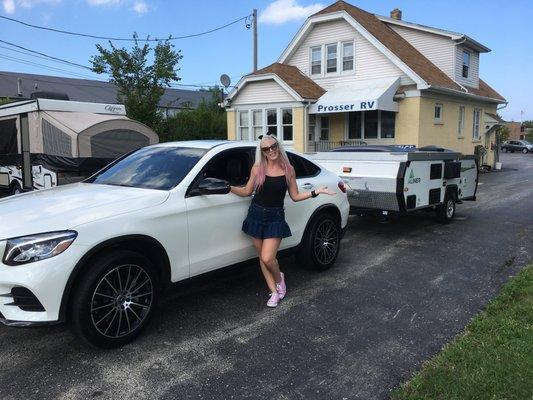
245,191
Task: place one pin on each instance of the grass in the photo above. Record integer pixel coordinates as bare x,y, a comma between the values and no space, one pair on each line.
492,359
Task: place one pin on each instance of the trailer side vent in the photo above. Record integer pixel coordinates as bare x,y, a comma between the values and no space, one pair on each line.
434,196
452,169
436,171
411,201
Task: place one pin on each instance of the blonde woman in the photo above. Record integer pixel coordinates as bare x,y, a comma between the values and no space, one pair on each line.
271,176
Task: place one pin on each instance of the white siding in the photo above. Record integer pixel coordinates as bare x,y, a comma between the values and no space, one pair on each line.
437,49
370,63
473,78
268,91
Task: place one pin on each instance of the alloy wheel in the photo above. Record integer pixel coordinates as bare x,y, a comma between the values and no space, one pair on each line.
121,301
450,208
326,241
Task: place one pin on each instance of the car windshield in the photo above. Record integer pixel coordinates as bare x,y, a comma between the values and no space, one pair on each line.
160,168
525,142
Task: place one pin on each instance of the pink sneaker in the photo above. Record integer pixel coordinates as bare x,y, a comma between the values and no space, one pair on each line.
281,288
274,300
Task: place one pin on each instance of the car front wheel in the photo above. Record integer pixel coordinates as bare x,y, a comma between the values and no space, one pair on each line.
115,299
524,150
321,242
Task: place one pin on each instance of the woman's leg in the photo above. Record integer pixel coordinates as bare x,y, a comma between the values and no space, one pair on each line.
269,278
269,251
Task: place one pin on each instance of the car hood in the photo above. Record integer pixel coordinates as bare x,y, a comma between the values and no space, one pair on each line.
65,207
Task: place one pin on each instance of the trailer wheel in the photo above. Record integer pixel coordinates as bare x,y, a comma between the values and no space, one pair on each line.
321,242
15,188
446,212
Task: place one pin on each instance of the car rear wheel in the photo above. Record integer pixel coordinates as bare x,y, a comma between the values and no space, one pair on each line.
321,242
115,299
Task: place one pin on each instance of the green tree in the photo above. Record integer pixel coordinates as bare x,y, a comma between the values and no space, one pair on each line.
207,121
140,83
503,133
528,124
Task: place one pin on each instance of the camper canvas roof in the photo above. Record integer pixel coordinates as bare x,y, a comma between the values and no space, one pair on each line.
60,105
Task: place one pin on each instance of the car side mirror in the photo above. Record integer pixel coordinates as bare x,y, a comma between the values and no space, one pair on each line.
211,186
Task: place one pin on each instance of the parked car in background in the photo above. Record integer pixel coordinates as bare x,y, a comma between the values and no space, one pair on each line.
517,145
98,253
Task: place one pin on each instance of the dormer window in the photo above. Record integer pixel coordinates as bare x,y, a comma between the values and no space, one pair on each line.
331,60
466,63
316,60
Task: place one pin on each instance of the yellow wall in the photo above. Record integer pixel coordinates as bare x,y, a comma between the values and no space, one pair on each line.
446,133
232,129
407,125
298,128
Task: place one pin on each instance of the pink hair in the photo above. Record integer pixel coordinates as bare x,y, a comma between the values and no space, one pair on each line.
261,161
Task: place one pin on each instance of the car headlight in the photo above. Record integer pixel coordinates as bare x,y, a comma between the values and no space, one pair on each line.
28,249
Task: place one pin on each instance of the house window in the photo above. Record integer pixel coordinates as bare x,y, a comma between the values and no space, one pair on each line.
354,125
387,121
272,121
286,122
438,113
461,125
244,123
324,128
316,60
347,56
475,128
331,60
466,63
257,123
371,124
311,127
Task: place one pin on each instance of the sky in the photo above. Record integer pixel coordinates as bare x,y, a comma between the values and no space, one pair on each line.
505,27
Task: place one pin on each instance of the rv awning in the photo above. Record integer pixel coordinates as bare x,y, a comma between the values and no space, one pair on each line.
372,94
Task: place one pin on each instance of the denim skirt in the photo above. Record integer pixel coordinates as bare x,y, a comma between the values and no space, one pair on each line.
266,222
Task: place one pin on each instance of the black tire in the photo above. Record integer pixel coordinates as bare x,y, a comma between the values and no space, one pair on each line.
524,150
15,188
446,211
110,306
321,242
505,150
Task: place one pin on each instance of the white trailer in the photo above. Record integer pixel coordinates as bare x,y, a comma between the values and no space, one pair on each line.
47,142
403,181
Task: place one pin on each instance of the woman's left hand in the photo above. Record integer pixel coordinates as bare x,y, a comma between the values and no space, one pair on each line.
324,190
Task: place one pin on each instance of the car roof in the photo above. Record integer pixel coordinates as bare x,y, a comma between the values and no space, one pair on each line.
207,144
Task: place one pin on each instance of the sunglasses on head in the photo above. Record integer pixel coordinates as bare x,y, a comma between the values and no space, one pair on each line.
268,149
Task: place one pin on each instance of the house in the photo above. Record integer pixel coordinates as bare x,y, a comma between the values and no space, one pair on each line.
516,131
350,76
19,86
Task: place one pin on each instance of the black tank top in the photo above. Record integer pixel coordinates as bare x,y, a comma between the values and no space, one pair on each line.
272,193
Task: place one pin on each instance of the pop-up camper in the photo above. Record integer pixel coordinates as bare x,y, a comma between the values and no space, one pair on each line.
46,142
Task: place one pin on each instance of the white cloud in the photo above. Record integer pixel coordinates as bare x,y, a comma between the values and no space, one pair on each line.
103,2
281,11
140,7
9,6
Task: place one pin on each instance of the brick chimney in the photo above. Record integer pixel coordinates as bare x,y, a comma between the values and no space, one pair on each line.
396,14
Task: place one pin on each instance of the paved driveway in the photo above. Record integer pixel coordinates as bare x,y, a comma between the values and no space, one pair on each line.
397,294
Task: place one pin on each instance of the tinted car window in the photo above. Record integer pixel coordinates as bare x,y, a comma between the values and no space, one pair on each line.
302,167
159,168
231,165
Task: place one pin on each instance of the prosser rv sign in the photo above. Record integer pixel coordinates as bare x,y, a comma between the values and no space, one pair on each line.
346,107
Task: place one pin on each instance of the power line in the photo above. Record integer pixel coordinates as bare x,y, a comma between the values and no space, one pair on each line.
22,61
122,39
47,56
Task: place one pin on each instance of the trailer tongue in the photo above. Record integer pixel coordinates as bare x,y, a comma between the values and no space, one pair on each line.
403,181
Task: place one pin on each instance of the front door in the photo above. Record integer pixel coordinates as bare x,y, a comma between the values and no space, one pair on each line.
215,221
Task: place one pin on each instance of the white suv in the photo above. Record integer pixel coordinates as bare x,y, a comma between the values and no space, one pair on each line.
98,253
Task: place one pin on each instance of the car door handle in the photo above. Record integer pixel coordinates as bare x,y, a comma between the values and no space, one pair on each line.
307,186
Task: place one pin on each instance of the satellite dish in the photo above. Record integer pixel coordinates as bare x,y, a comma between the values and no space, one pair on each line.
225,80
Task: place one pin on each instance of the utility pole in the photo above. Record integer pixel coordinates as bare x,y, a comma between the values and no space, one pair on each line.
254,30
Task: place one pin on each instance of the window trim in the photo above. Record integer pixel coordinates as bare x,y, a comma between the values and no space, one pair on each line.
326,46
438,120
321,60
463,65
321,128
476,138
342,70
239,126
281,109
461,122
